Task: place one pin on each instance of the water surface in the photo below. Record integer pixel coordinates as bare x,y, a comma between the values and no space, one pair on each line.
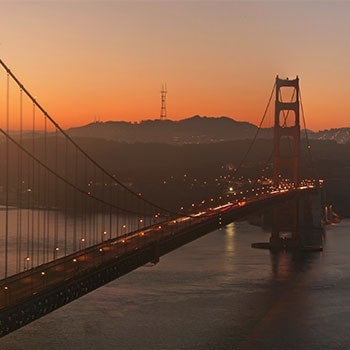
215,293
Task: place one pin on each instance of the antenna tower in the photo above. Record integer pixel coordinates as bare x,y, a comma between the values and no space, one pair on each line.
163,102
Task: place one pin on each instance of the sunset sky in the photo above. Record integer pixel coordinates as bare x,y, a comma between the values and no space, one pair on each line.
107,60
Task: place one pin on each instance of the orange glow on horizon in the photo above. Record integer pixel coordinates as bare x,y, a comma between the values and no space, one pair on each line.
109,59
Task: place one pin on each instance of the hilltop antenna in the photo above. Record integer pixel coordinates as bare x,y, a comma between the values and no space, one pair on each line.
163,102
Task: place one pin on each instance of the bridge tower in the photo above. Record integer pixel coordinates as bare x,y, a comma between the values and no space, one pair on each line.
296,222
286,160
286,132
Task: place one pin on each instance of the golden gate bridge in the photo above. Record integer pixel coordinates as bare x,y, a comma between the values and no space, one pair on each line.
69,226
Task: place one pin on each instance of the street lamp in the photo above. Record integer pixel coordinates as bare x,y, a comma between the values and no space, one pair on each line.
76,262
155,218
7,292
55,252
26,263
44,276
82,243
124,229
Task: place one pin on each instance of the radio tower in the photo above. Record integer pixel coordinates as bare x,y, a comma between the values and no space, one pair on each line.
163,102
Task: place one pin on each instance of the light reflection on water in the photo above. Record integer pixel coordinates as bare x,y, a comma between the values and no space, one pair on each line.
45,235
215,293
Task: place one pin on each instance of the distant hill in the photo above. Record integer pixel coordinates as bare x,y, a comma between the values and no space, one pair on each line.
340,135
193,130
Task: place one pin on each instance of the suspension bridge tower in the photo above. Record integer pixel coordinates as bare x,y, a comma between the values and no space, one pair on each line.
286,162
287,132
294,223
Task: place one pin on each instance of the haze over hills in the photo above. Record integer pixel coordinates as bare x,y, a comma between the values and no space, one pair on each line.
193,130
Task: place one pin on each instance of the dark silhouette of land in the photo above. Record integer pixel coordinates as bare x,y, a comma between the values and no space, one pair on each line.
171,174
203,148
195,129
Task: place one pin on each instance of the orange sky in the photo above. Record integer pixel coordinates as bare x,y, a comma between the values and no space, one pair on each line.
107,60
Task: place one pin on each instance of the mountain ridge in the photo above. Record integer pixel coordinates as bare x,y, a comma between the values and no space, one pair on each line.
195,129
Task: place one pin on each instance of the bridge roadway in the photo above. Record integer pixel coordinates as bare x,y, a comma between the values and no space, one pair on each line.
35,292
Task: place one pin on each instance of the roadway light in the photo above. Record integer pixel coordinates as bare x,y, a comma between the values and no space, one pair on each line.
56,250
26,263
139,222
82,243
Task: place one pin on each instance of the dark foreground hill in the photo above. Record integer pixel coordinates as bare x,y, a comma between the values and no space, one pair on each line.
174,173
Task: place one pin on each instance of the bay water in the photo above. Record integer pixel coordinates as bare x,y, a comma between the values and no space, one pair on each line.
214,293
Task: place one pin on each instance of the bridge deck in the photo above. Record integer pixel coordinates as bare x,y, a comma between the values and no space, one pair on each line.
149,244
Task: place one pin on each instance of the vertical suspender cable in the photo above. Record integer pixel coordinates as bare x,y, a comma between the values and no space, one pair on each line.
75,199
83,228
46,199
32,187
20,186
65,197
7,174
55,247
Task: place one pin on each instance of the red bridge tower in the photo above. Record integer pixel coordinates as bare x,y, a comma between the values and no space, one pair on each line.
286,161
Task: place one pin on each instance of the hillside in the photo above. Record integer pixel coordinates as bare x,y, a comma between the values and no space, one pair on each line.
193,130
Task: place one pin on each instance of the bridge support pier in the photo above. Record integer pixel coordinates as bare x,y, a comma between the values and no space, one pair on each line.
296,225
156,253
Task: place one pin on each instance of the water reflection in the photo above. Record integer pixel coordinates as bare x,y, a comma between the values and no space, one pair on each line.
229,238
215,293
288,263
38,236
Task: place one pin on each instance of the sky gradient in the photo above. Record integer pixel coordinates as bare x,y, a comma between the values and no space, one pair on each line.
87,60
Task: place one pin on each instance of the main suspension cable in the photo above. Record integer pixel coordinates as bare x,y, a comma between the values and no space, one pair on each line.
257,131
94,162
